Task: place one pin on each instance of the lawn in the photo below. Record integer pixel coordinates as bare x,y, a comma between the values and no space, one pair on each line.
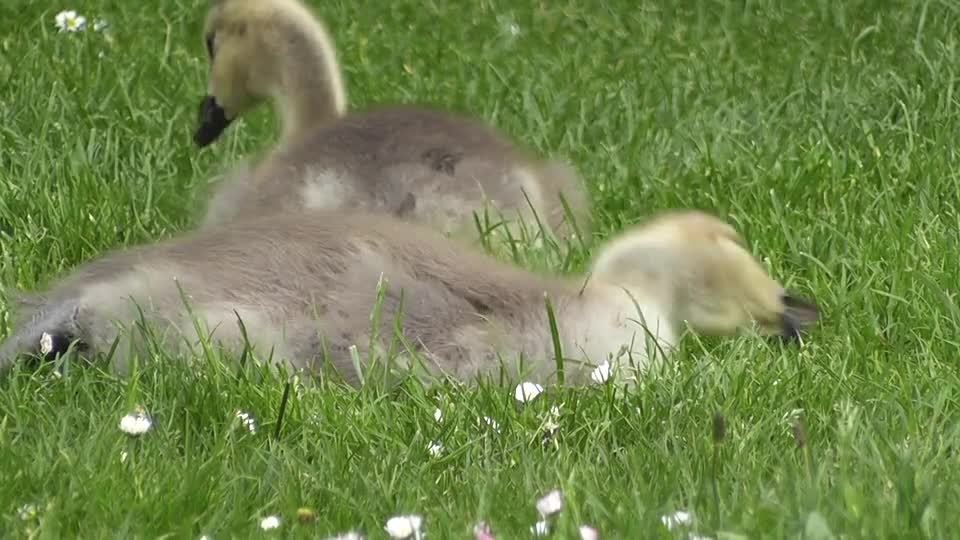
825,131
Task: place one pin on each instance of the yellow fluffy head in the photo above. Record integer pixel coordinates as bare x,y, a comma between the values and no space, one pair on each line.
697,265
258,49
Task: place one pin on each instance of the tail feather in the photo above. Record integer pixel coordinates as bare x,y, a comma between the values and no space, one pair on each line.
566,182
559,197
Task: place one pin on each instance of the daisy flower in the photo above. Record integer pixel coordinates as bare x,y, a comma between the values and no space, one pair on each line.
511,29
540,528
349,535
46,343
28,512
680,518
402,527
551,503
136,422
527,391
248,421
70,21
601,373
482,531
434,448
269,523
552,422
492,423
588,533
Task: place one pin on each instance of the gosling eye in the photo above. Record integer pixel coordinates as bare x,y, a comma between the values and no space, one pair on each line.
210,37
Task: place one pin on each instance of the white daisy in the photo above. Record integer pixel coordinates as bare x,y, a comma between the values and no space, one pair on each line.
791,416
492,423
69,21
46,343
510,28
482,531
27,512
248,421
434,448
438,415
136,422
679,518
349,535
402,527
601,373
551,503
552,422
527,391
540,528
269,523
588,533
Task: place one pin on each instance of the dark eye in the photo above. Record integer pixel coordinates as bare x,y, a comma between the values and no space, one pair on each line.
210,45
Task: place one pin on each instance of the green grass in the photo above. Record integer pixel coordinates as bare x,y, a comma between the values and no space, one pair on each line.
826,131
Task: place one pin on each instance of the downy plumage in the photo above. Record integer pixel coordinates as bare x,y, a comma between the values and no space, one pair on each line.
305,285
413,162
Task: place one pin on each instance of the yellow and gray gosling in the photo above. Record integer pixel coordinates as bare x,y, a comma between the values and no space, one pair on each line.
305,285
416,163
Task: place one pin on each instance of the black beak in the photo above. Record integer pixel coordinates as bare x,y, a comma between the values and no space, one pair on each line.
799,314
211,121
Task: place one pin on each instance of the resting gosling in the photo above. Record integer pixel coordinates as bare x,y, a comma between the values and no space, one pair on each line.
304,285
413,162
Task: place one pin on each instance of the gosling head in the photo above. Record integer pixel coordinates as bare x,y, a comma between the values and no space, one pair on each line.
697,266
260,49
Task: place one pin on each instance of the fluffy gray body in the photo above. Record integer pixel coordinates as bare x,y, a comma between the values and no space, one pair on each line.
305,286
415,163
292,281
411,162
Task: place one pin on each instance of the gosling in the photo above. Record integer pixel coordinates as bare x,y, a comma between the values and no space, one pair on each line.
415,163
304,287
